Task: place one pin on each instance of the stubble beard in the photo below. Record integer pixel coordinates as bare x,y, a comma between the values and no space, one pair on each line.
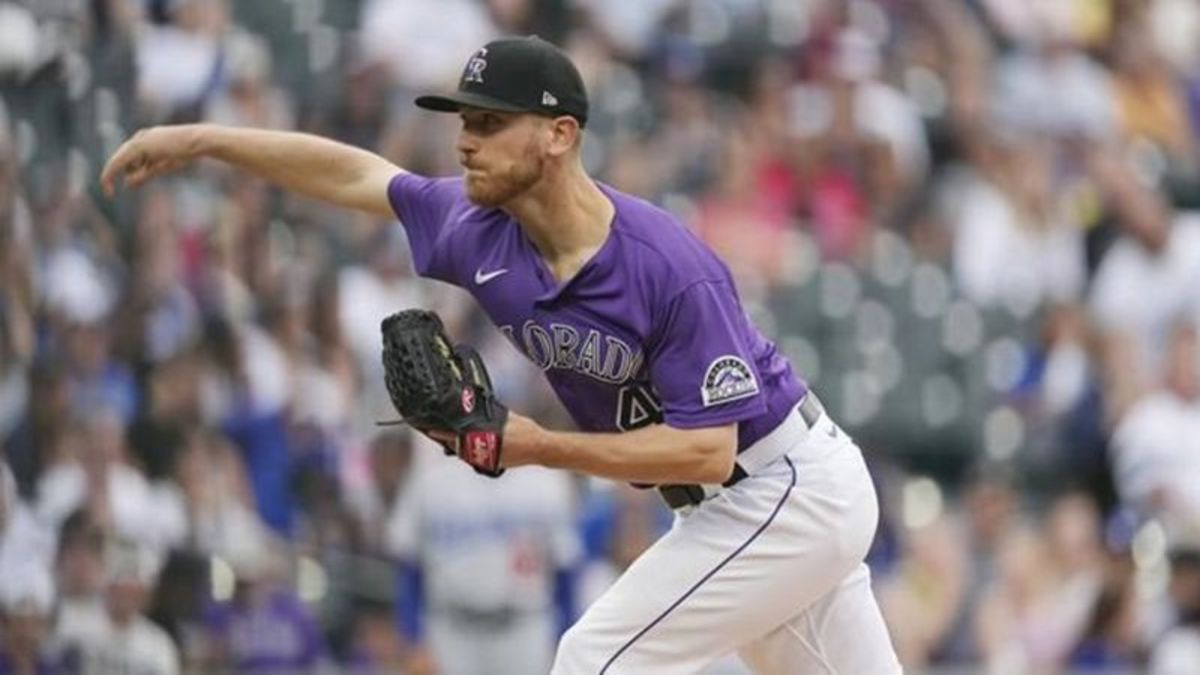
496,189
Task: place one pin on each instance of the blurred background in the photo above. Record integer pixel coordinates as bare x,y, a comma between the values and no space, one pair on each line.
968,222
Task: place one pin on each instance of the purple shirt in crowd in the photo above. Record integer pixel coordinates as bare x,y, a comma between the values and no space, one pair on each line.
274,636
650,329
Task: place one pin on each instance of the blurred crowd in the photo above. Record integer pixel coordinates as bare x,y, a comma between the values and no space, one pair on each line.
968,222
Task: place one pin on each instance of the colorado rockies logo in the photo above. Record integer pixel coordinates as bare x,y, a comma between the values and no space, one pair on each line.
728,378
474,70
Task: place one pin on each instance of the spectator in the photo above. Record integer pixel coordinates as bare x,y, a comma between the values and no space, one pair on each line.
96,475
1151,101
1179,650
220,503
922,599
180,61
79,567
26,607
1014,243
1110,640
1038,607
264,628
1156,445
116,636
393,32
492,561
24,541
250,99
366,293
1147,279
246,393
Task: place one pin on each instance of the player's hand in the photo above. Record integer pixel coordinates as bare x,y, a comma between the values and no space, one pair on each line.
149,153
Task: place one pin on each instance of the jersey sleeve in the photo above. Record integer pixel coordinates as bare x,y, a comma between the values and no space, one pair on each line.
700,363
426,208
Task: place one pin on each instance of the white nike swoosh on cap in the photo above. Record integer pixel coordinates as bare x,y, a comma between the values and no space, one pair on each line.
482,277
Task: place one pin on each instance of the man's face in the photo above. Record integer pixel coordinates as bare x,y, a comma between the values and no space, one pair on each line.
126,599
502,154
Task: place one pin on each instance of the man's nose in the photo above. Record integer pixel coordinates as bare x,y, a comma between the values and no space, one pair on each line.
467,144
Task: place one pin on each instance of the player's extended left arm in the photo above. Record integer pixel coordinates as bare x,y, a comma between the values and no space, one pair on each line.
659,454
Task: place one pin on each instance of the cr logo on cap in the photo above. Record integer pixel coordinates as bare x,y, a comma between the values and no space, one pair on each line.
474,70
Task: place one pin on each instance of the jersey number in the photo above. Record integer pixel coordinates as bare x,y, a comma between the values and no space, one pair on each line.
637,407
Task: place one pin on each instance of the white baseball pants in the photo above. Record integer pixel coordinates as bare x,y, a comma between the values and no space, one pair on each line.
771,568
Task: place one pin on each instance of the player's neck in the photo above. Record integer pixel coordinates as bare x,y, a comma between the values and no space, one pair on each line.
566,216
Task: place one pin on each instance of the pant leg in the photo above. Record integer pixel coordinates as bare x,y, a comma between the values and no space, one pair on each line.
735,568
453,646
843,633
525,648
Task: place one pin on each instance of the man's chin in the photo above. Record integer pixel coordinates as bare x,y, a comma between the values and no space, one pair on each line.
481,196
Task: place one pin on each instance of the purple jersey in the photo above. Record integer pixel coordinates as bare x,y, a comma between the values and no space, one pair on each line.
650,329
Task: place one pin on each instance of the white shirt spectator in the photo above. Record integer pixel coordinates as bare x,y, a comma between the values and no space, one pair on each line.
1156,457
1176,28
880,111
1177,653
74,285
365,297
25,541
998,260
629,24
28,589
268,381
396,33
151,514
1146,294
250,99
1080,89
140,647
176,67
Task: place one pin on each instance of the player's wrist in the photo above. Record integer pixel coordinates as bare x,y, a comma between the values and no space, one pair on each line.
525,442
201,140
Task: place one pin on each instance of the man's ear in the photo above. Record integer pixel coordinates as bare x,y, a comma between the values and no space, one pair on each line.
564,134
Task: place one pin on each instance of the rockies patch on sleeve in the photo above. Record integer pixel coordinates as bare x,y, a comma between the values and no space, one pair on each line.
728,378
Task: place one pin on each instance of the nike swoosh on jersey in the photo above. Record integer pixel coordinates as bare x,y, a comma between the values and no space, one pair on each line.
482,277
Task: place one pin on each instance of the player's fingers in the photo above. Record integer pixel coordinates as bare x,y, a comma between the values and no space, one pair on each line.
153,168
171,165
120,162
114,166
142,170
139,174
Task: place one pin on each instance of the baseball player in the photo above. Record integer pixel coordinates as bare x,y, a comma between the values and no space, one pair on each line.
640,332
494,561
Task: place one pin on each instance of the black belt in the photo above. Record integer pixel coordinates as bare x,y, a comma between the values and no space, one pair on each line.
678,496
485,619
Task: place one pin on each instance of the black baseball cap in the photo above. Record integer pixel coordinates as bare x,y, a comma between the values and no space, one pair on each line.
517,74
